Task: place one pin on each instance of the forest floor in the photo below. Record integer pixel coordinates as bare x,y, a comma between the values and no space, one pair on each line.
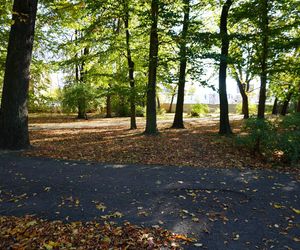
110,141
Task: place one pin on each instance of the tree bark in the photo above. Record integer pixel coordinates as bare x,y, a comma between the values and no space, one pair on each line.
245,102
151,125
108,106
178,119
285,105
82,99
275,107
130,69
264,60
171,103
224,117
14,111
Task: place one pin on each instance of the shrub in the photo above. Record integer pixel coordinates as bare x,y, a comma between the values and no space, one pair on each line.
199,109
289,138
260,137
140,111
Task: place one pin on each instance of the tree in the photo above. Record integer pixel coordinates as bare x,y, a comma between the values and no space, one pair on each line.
14,111
130,67
151,126
224,117
178,119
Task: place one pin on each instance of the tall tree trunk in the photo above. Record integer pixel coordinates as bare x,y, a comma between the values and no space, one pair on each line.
245,102
298,105
151,126
285,105
264,59
178,119
108,106
171,103
82,99
275,107
14,111
130,69
224,117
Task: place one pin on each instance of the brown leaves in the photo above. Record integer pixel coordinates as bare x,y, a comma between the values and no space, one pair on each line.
32,233
194,146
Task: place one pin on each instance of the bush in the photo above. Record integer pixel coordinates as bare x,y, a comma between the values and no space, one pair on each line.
161,111
140,111
199,109
274,139
252,108
289,138
260,136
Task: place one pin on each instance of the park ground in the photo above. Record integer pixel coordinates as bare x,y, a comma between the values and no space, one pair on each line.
183,188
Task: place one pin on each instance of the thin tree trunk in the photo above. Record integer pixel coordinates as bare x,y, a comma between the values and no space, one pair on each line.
108,106
298,105
171,103
245,102
264,59
82,99
130,69
285,105
275,107
14,110
224,116
178,119
158,102
151,126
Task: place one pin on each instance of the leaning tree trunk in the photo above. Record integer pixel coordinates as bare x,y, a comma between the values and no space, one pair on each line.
264,59
285,105
224,117
245,102
171,103
151,126
275,107
14,111
178,119
130,69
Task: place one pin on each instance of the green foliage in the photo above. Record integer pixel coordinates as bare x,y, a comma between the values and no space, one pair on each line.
75,94
289,138
199,109
277,139
260,136
140,111
161,111
252,108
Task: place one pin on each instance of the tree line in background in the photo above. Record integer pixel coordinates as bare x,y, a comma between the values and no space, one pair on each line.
119,53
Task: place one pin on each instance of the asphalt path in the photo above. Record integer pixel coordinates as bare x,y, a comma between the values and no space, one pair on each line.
221,208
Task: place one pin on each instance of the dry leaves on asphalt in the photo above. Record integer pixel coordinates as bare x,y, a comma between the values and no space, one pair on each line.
32,233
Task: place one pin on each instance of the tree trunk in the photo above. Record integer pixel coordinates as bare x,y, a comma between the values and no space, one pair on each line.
264,60
130,69
275,107
285,105
224,117
245,103
108,106
82,99
178,119
151,126
14,111
171,104
158,102
298,105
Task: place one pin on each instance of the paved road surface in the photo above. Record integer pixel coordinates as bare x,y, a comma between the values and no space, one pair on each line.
223,209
